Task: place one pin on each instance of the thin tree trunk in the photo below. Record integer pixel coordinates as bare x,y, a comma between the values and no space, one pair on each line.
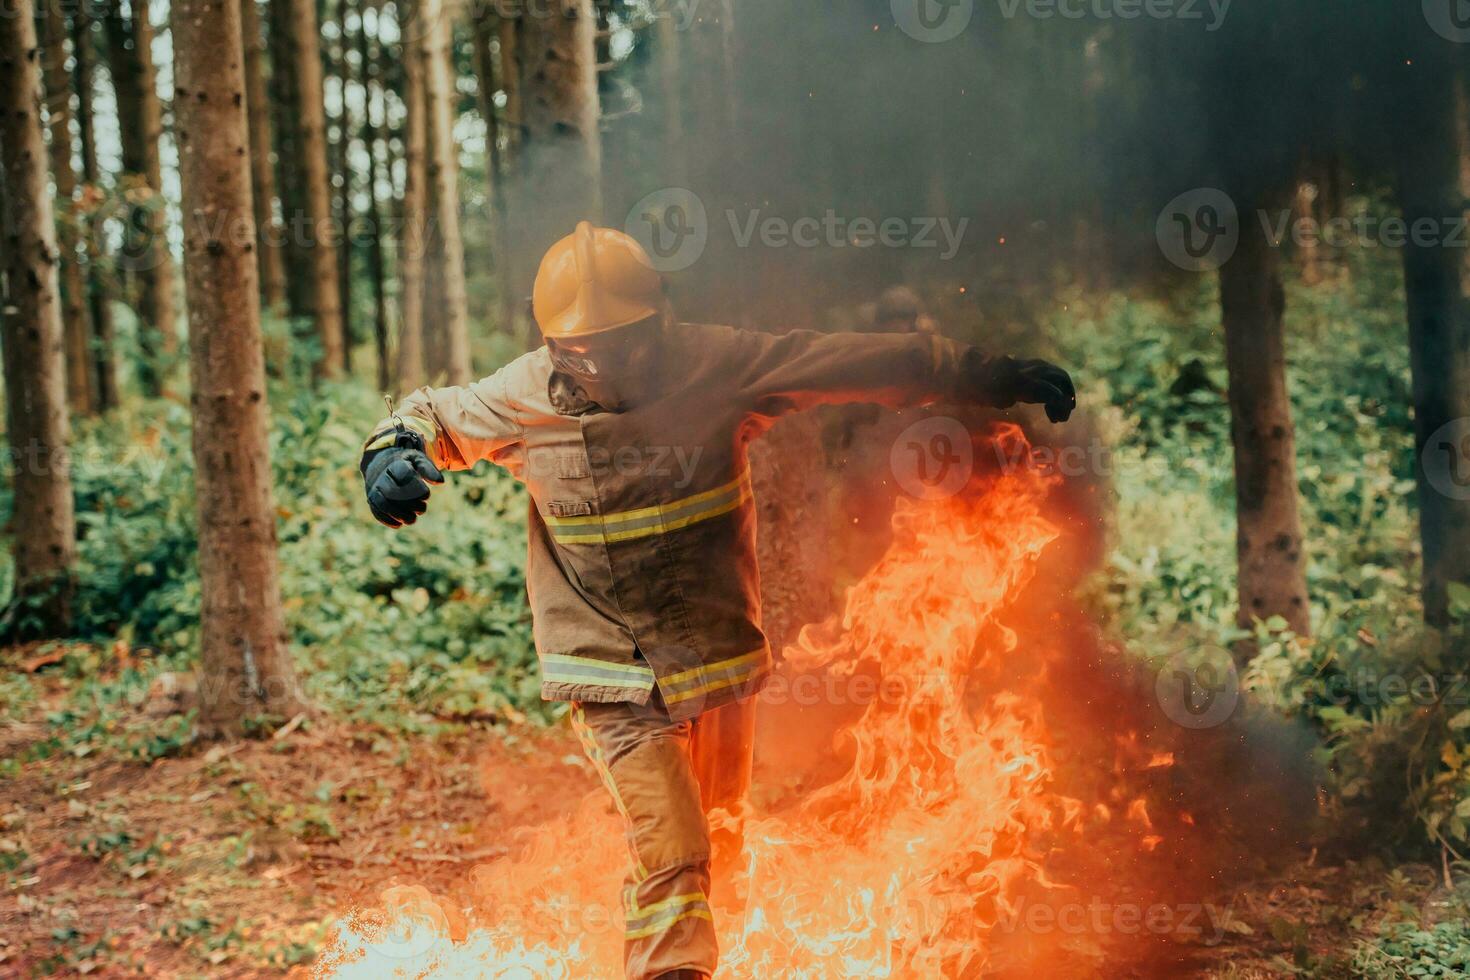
262,172
671,84
1435,282
371,131
288,154
412,226
1272,579
140,121
443,166
560,160
73,291
99,291
245,662
517,288
344,189
320,242
44,545
485,30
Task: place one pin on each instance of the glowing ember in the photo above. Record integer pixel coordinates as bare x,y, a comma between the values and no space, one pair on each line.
905,865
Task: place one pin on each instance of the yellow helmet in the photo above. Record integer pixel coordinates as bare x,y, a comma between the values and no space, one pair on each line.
594,279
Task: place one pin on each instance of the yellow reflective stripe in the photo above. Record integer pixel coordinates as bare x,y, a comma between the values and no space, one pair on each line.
632,515
384,438
743,675
599,762
636,911
563,668
667,924
685,675
646,921
585,535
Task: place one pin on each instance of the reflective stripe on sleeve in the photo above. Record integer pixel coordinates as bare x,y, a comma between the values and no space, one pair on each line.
387,432
648,521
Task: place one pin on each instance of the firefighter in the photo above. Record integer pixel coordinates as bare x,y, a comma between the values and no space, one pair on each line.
629,430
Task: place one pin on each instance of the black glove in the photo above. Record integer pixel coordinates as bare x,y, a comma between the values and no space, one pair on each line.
397,478
1001,382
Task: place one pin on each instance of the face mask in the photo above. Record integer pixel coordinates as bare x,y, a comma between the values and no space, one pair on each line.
605,376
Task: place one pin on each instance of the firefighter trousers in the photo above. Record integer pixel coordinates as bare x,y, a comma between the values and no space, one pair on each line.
666,778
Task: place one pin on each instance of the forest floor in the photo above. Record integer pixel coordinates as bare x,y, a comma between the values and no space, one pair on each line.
234,860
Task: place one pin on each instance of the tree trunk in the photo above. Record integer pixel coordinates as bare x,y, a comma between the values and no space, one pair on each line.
99,291
560,160
373,105
44,546
344,186
443,171
140,122
245,663
1439,335
486,27
320,242
73,291
412,226
1272,580
288,154
512,263
670,93
262,173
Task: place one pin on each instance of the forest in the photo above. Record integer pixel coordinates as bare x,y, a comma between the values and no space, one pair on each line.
1178,686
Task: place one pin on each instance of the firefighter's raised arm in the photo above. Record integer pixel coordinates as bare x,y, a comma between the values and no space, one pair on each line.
798,370
431,430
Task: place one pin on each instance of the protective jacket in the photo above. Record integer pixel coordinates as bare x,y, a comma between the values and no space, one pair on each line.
641,568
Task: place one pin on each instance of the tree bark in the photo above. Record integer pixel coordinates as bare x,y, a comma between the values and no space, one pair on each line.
443,172
320,242
1429,167
486,29
262,171
412,226
44,546
99,289
74,325
140,121
288,154
344,186
559,169
373,106
1272,578
245,663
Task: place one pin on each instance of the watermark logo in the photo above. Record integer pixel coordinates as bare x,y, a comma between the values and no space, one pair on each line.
1446,459
932,21
1199,230
933,458
1209,12
1198,689
1450,19
672,226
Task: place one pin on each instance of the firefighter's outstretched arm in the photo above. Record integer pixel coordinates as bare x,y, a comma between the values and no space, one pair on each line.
431,430
803,368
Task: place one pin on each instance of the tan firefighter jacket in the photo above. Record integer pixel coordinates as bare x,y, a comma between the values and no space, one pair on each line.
641,568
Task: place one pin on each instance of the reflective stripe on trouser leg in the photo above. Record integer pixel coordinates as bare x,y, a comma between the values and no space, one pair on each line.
644,758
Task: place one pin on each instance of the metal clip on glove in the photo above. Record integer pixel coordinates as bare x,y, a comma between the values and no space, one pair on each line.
1000,382
397,476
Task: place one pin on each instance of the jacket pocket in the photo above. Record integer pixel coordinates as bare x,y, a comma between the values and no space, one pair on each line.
569,508
572,467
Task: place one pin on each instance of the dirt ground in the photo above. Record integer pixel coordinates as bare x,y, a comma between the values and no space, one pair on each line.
234,860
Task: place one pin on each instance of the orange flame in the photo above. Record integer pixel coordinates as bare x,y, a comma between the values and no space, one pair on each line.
905,865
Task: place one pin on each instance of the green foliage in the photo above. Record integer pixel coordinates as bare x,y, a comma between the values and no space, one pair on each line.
1386,693
1410,950
408,629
